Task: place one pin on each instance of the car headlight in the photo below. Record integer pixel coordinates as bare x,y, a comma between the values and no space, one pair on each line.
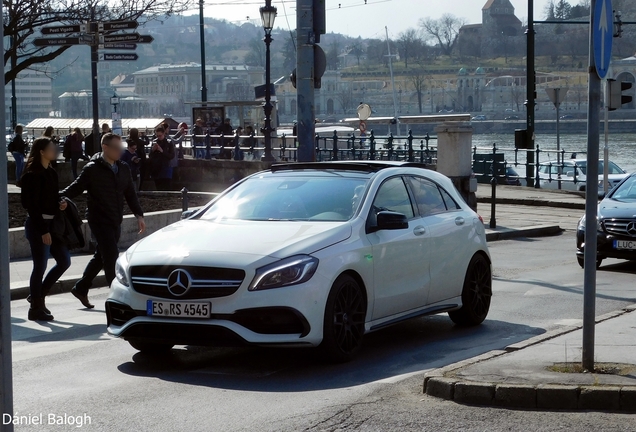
599,225
121,270
289,271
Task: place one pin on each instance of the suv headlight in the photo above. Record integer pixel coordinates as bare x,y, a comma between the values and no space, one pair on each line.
599,225
121,270
289,271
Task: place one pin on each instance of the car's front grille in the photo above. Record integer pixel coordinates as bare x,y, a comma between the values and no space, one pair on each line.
205,282
622,227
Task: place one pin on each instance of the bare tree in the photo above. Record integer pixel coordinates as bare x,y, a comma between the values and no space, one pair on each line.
24,19
345,97
256,54
444,31
409,45
418,78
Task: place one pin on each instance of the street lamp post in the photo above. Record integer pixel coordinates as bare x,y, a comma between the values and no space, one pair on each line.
268,15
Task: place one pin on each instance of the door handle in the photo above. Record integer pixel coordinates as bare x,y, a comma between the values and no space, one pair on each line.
419,230
459,221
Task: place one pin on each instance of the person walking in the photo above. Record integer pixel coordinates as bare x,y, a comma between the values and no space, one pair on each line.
161,154
18,149
39,196
75,141
140,144
108,182
130,157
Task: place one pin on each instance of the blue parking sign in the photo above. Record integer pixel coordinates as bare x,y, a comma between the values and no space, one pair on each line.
603,36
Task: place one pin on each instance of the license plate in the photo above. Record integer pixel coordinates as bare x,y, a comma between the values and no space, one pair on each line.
178,309
625,244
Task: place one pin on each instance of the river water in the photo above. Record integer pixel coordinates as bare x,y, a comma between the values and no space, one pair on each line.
622,147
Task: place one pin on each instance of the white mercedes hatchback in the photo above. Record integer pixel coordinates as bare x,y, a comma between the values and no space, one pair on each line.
311,254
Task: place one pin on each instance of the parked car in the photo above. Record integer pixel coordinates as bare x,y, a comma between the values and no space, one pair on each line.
573,174
512,177
512,117
479,118
314,254
616,225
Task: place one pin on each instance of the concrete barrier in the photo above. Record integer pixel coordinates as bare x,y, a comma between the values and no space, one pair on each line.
19,246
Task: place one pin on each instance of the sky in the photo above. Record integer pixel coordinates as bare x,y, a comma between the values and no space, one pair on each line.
354,18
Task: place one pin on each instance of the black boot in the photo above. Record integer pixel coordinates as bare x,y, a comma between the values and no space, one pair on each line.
43,301
37,312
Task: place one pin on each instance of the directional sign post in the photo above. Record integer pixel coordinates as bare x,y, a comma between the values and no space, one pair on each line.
57,30
117,57
119,46
124,37
57,41
117,25
145,39
602,33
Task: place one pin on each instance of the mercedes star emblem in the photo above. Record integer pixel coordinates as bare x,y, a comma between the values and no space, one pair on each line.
631,229
179,282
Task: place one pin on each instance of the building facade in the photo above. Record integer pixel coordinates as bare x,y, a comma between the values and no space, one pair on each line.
34,97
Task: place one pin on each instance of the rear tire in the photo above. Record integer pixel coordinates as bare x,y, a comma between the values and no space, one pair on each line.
345,315
146,347
476,293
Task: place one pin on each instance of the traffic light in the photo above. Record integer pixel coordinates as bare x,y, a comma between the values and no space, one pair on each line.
617,96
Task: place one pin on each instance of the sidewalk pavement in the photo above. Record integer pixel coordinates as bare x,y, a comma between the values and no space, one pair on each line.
518,377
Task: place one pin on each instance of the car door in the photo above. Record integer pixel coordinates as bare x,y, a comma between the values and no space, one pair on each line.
400,257
449,230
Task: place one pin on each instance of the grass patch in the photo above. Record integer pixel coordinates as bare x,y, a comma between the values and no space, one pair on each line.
620,369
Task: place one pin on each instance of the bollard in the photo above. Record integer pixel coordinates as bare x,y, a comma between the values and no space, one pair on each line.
493,186
184,199
537,184
334,157
372,146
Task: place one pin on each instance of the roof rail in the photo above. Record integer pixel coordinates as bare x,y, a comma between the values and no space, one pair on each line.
364,166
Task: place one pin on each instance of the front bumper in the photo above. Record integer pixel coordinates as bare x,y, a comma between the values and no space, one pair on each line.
285,316
605,246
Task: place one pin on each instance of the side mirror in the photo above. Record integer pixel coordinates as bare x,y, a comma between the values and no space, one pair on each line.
601,194
570,174
187,214
388,220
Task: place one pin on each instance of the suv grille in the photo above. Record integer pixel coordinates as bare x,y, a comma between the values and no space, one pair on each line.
206,282
622,227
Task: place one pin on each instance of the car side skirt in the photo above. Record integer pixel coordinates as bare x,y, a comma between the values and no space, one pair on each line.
441,307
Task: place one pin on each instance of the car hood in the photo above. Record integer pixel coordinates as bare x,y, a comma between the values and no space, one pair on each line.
611,209
276,239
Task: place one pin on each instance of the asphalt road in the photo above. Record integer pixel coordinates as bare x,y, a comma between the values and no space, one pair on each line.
70,366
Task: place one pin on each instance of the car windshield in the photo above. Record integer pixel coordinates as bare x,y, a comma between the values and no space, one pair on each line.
626,191
291,198
613,168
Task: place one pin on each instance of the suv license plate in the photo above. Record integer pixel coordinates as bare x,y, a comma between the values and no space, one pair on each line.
625,244
178,309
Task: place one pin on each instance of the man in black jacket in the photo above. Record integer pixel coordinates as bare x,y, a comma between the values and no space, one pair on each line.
108,182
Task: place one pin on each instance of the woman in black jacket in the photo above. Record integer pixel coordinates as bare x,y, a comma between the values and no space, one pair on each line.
40,196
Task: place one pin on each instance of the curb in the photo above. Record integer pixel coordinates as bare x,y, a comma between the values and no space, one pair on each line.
444,384
535,231
533,202
63,285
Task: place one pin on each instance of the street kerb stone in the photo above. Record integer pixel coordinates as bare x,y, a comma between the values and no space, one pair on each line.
474,393
516,396
600,398
628,399
441,387
550,396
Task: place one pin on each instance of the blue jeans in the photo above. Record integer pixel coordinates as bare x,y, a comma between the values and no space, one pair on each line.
40,255
19,165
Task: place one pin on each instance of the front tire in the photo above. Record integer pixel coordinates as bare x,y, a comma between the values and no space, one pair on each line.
581,262
345,315
146,347
476,293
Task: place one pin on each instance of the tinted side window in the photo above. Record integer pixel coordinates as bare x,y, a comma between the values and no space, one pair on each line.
450,202
393,196
427,196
